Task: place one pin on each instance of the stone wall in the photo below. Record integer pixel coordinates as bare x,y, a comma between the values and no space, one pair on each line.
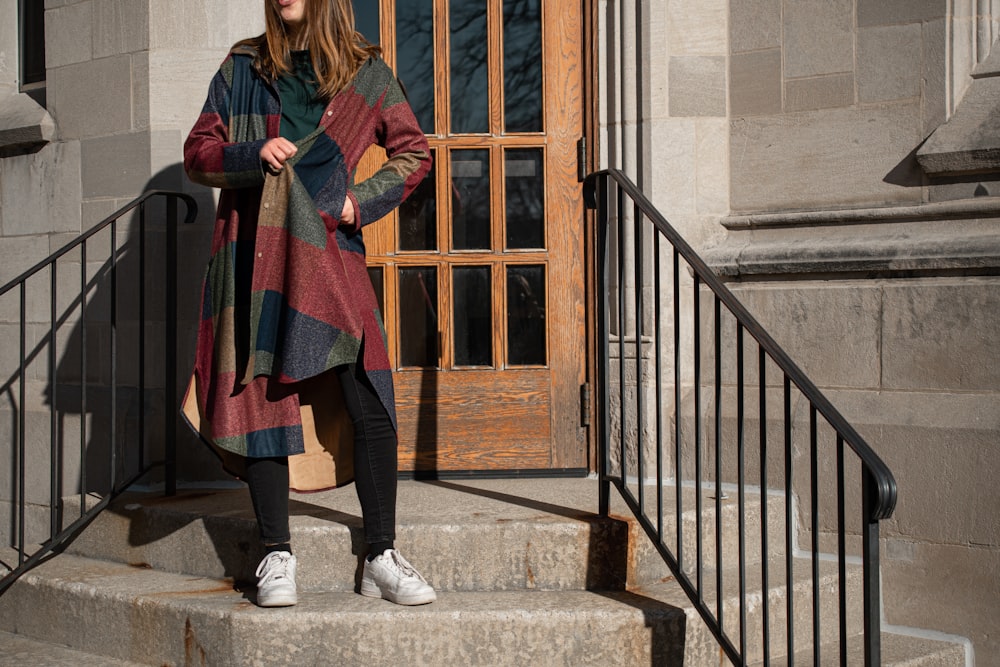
879,278
125,81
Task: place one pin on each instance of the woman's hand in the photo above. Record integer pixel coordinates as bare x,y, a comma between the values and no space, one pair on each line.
347,216
276,151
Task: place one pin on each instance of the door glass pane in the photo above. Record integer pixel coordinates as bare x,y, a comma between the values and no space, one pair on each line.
418,216
470,99
415,57
525,192
526,315
470,199
377,276
366,20
473,316
522,65
418,344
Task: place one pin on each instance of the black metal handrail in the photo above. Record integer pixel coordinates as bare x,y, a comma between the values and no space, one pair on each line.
609,192
120,474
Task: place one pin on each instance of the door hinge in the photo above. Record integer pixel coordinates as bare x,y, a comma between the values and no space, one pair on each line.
581,159
585,404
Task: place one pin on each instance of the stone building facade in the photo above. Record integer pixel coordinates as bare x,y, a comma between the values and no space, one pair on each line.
836,160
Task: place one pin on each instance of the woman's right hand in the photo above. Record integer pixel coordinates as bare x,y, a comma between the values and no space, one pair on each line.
276,151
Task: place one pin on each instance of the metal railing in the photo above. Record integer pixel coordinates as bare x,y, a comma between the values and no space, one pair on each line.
667,422
87,380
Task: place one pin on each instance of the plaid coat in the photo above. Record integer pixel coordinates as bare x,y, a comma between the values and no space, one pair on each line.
287,295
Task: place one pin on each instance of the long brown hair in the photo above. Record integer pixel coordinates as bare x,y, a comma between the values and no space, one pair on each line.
336,47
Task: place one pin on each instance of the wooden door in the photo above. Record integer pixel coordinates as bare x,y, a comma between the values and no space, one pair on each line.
480,272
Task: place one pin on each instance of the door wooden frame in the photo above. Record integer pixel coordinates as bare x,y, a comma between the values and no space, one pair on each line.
591,163
584,29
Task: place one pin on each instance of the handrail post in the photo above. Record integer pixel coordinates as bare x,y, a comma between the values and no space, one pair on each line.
170,430
871,582
596,193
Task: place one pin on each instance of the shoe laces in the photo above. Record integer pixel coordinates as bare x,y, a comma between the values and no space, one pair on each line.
395,561
274,566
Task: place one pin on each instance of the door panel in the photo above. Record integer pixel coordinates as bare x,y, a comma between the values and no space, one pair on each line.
480,272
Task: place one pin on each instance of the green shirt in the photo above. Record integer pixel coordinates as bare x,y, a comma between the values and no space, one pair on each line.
301,109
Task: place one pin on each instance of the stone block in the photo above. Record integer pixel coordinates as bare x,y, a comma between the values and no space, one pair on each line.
822,92
894,12
830,331
712,165
8,37
116,166
167,160
242,22
823,159
935,74
201,24
697,27
754,25
942,336
888,59
41,191
672,174
178,84
964,583
120,26
941,448
818,37
95,211
19,253
68,34
91,99
697,86
142,103
755,83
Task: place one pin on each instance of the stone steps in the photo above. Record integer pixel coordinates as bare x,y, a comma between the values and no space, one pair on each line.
20,650
512,534
158,617
897,651
526,573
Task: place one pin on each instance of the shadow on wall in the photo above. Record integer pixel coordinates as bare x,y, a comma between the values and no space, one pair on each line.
108,385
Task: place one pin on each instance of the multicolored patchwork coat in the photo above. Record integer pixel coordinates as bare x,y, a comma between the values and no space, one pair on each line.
287,295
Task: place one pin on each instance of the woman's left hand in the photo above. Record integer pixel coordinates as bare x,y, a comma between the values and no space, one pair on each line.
347,216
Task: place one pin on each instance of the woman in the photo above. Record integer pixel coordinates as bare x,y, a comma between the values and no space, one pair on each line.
288,310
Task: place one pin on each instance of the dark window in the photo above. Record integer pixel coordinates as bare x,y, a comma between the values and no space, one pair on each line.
31,15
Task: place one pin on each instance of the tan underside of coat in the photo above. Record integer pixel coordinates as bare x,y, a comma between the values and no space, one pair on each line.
328,460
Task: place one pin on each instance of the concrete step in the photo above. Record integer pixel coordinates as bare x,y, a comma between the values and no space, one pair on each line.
135,614
701,640
897,651
511,534
525,564
22,651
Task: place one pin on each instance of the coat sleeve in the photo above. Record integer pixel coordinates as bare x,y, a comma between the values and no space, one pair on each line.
409,159
210,158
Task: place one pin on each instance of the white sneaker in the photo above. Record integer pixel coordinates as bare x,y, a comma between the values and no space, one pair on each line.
389,576
276,580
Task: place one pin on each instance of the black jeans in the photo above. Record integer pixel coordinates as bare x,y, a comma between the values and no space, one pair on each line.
375,462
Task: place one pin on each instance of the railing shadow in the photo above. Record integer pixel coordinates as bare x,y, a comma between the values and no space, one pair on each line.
90,401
